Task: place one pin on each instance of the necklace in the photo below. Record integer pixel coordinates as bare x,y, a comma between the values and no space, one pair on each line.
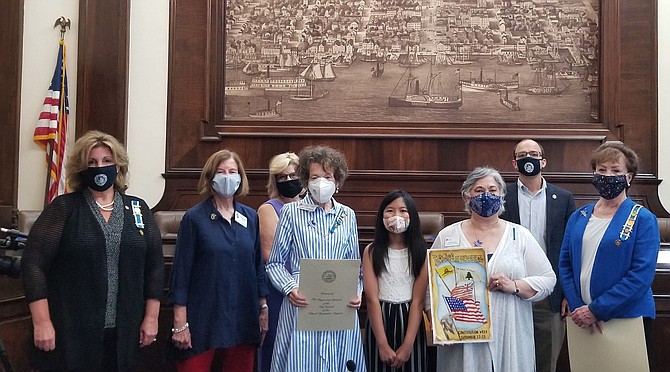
485,233
106,207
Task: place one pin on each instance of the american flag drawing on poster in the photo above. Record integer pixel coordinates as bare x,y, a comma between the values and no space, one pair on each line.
465,310
51,130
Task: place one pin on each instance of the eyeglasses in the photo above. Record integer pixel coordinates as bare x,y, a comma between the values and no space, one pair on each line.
286,177
525,154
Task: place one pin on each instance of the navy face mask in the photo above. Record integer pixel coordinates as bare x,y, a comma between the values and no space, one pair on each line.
485,204
100,178
609,187
528,166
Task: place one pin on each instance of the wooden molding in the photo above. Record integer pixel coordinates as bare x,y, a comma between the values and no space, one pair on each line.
102,68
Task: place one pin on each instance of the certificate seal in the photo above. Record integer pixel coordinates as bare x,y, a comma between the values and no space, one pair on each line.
328,276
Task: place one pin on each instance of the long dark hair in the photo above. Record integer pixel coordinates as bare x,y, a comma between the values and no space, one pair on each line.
416,246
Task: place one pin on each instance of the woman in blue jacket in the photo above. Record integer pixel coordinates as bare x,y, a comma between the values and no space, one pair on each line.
609,252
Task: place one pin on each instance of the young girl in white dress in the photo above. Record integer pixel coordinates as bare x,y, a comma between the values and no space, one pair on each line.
395,281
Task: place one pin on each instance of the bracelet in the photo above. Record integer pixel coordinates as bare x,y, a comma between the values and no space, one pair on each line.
516,289
180,330
264,306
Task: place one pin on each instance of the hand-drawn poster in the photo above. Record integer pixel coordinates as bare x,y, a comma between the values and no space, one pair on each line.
459,299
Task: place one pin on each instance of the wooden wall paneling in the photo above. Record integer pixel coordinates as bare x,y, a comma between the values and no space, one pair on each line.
15,334
639,94
13,323
661,290
102,67
430,160
187,58
10,74
197,128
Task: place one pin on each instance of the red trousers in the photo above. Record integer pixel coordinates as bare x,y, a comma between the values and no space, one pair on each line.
237,358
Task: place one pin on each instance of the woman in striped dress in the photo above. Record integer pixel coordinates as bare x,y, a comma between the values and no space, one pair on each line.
395,281
315,227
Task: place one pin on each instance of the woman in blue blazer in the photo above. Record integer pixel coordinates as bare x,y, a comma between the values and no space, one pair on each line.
609,252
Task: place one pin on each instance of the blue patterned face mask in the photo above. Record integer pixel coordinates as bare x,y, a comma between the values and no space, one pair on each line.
485,204
609,187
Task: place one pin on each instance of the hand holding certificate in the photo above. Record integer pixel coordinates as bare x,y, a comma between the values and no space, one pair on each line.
328,286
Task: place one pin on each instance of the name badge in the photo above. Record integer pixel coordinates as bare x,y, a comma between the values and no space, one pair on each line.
307,207
239,218
137,215
451,242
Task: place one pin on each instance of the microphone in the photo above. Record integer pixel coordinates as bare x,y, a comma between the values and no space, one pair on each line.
12,232
351,365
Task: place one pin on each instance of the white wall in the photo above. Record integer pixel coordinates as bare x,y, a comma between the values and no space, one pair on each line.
147,93
664,103
147,98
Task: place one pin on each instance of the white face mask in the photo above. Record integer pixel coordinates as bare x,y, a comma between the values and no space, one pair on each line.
396,224
226,184
321,189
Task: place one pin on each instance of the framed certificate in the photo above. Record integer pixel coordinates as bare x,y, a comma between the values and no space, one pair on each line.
328,286
459,298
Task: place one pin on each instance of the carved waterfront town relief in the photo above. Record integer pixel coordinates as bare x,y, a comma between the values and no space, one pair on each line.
404,60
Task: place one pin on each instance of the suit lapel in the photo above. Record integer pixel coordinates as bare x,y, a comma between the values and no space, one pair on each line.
512,202
552,211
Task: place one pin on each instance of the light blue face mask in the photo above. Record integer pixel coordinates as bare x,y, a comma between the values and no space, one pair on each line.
226,184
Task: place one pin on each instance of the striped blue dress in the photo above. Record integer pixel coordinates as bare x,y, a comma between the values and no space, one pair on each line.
305,230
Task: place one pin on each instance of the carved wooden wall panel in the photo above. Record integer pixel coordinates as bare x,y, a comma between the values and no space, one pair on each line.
429,160
10,98
14,323
102,67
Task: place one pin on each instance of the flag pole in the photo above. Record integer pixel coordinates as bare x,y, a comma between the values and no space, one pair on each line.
50,153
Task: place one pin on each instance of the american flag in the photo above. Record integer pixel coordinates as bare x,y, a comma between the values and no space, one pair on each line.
465,310
51,130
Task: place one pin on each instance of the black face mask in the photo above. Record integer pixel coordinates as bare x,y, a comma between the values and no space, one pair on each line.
528,166
100,178
289,189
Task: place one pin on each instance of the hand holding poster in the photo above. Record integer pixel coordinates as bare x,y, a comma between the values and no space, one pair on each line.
459,299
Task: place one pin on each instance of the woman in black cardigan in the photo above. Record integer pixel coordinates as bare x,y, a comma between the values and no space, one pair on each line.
93,266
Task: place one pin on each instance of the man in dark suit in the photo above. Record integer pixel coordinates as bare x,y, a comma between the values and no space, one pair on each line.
543,209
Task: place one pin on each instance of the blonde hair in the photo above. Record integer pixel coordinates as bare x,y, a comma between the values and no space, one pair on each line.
77,161
278,164
210,168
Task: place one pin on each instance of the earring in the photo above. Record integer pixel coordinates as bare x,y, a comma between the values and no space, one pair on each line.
337,189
